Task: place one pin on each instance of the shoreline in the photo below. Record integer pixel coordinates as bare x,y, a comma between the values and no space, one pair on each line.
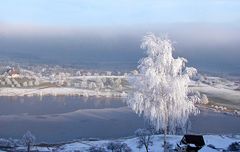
58,91
219,110
67,91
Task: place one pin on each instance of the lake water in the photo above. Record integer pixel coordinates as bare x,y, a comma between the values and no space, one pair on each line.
55,119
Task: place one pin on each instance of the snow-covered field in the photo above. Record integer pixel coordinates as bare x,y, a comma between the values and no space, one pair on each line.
220,91
219,142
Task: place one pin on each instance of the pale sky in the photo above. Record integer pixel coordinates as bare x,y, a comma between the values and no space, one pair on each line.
207,32
121,12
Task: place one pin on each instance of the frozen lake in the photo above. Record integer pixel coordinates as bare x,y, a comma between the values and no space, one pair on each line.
56,119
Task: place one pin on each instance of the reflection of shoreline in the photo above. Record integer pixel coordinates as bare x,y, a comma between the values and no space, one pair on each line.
59,91
84,122
217,103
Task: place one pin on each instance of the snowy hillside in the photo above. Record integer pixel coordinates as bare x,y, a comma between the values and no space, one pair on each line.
213,143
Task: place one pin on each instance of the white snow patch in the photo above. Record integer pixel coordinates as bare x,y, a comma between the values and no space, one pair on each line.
220,142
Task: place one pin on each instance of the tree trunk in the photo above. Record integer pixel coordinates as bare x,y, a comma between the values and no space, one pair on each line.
165,130
165,139
146,147
28,147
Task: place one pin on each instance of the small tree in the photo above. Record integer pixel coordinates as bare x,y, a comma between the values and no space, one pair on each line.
234,146
160,90
5,143
144,138
125,148
28,140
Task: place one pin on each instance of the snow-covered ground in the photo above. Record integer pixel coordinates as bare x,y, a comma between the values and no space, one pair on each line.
221,96
220,91
219,142
219,87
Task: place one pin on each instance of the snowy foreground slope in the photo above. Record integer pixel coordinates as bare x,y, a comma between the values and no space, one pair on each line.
219,142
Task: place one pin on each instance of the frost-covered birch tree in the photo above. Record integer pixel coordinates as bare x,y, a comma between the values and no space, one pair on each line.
28,139
160,90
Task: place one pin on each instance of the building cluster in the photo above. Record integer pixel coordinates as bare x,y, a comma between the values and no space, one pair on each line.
11,77
10,72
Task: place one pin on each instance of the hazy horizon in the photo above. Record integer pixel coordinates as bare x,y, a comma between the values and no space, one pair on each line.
207,33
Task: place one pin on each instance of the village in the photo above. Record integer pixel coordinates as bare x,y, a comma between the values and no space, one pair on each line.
19,80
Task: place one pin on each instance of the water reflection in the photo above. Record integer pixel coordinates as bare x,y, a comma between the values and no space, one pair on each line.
55,119
54,104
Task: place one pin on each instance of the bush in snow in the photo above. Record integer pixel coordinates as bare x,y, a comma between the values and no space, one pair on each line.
25,84
194,96
118,82
100,84
160,90
28,140
68,84
234,146
152,129
112,146
108,73
204,99
5,143
76,85
10,142
134,72
96,74
3,83
78,73
125,148
8,81
92,85
120,87
30,83
36,83
144,138
89,73
18,85
84,84
110,82
104,80
96,149
15,142
14,81
118,147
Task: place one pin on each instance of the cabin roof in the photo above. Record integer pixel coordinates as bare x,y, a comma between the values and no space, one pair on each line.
197,140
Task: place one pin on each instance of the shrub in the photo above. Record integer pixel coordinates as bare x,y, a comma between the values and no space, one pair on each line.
118,147
234,146
96,149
